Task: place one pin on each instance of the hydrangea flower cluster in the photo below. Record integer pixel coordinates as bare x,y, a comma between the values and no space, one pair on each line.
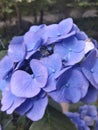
85,118
57,61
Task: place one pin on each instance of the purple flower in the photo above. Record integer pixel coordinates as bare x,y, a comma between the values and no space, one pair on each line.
28,85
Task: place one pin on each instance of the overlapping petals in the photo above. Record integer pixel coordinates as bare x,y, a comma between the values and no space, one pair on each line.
26,85
86,117
33,38
17,50
90,68
6,67
54,65
56,32
34,107
63,28
38,109
71,50
9,101
79,34
91,95
69,88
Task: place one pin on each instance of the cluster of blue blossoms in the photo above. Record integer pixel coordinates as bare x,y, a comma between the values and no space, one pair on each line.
57,61
86,118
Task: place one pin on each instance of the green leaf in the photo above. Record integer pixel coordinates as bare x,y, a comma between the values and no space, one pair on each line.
53,120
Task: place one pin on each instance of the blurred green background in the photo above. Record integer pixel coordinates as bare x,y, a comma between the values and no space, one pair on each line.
16,17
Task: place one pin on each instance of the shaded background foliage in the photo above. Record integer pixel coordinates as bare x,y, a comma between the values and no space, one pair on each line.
16,16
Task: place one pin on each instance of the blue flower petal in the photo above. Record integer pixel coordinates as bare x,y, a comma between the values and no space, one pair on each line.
23,85
68,52
70,89
33,40
5,66
75,118
75,28
66,95
10,102
87,64
38,110
35,28
25,107
88,67
53,63
88,110
85,127
65,26
95,71
72,115
89,121
59,73
92,112
52,40
83,111
52,31
7,100
73,44
51,84
81,35
17,102
91,95
39,72
73,58
3,84
57,32
16,49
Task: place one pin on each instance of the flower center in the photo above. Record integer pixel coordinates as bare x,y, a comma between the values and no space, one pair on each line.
92,70
58,34
70,50
65,58
67,85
